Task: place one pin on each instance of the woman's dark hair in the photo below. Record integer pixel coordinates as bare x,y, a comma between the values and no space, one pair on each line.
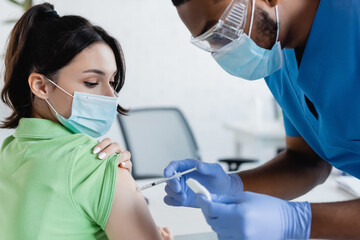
43,42
179,2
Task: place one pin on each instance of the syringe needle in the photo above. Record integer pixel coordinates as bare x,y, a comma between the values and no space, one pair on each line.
162,180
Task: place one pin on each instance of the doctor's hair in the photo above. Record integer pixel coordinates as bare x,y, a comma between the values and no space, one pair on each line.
43,42
267,26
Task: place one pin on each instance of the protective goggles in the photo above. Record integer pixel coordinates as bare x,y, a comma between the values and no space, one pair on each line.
229,28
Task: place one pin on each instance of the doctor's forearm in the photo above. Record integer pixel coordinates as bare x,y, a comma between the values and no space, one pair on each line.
339,220
289,175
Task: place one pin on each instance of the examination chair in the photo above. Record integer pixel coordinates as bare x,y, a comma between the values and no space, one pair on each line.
156,136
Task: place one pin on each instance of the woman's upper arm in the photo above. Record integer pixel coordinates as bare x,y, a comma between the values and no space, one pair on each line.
129,217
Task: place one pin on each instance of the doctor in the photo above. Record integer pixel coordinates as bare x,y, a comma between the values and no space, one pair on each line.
308,51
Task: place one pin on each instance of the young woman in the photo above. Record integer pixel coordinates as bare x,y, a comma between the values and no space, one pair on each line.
62,76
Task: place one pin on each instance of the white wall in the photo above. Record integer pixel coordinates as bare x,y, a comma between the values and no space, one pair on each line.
163,68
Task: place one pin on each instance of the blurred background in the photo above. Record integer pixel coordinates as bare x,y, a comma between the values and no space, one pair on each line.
165,69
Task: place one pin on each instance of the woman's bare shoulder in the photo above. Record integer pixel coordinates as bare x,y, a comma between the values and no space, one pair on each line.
130,217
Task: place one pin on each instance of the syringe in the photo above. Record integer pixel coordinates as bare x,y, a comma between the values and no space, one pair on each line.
162,180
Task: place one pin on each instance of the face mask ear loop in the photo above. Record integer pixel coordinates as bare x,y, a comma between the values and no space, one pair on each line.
277,23
252,17
58,87
51,106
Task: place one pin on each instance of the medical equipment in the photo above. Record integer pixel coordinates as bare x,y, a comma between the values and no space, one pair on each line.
245,59
162,180
90,113
198,188
256,216
211,175
229,28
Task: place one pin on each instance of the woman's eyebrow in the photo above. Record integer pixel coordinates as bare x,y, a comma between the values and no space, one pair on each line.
94,71
97,71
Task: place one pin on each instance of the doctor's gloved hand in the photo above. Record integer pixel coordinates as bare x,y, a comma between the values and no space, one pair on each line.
210,175
251,216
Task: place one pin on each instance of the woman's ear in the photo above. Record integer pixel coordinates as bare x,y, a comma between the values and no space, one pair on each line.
272,3
38,85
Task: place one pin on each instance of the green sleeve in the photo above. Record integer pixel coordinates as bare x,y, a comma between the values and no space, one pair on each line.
92,184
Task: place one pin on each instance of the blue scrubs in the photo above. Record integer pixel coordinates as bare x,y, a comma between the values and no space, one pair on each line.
329,77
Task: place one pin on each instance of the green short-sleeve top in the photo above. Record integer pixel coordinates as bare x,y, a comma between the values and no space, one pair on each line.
51,184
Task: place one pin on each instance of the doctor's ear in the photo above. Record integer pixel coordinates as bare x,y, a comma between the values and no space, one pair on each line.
38,85
272,3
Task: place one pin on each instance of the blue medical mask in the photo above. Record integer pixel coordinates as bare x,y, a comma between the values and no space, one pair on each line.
90,114
243,58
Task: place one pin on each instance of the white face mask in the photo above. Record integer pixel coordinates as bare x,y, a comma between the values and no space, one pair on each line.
90,114
243,58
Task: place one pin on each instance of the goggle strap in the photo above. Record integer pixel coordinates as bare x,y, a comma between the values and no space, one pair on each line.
277,20
252,17
277,23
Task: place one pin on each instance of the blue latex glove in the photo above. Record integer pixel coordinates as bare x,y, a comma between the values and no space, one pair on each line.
250,216
210,175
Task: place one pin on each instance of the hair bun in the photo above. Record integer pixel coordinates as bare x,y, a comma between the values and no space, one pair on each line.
52,13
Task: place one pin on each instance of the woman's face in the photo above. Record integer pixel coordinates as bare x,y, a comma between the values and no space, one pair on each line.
91,71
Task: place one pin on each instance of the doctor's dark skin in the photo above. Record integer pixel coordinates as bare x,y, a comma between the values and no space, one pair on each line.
297,169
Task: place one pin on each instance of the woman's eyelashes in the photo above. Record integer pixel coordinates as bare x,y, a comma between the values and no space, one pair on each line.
91,84
113,84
